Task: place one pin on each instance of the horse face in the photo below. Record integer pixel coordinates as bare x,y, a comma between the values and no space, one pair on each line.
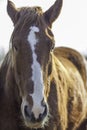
30,60
31,45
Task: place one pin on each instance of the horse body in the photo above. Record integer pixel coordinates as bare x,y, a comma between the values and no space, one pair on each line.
74,84
67,98
40,87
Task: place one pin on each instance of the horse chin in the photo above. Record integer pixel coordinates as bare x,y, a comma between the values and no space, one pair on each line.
33,125
36,125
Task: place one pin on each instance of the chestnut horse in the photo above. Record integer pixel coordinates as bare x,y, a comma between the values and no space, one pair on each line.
41,87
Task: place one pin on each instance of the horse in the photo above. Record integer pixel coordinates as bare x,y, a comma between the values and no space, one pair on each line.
42,87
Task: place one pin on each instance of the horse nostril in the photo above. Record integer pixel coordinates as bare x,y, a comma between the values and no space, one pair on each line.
43,115
27,111
45,111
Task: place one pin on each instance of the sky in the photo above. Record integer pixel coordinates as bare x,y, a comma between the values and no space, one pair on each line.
70,29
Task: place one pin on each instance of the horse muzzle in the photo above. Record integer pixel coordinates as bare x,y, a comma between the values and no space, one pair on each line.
33,121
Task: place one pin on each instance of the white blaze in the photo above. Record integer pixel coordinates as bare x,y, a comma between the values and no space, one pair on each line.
37,76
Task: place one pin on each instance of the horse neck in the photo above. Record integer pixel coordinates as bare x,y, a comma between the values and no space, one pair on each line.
7,100
59,86
3,70
7,81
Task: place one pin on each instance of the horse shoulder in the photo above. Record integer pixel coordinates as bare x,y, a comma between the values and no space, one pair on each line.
74,57
73,74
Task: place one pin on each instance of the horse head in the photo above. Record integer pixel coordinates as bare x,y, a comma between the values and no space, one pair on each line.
31,45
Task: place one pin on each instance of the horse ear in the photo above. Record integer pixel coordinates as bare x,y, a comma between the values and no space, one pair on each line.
53,12
12,11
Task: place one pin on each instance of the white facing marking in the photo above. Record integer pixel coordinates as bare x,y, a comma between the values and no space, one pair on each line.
37,76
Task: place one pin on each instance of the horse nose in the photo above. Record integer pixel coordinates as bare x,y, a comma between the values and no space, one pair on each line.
31,117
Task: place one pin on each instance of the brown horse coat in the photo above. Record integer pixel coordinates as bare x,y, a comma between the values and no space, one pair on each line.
64,75
67,98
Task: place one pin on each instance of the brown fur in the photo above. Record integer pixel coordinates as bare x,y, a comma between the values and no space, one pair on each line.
67,106
64,74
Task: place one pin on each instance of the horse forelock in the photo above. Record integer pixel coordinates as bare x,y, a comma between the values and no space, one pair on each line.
36,10
28,16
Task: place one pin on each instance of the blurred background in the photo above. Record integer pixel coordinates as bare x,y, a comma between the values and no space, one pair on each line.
70,29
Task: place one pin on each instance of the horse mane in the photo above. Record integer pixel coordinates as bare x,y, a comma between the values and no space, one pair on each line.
75,57
3,68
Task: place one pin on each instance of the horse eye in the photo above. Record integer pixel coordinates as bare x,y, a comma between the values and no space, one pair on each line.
43,102
15,47
51,44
